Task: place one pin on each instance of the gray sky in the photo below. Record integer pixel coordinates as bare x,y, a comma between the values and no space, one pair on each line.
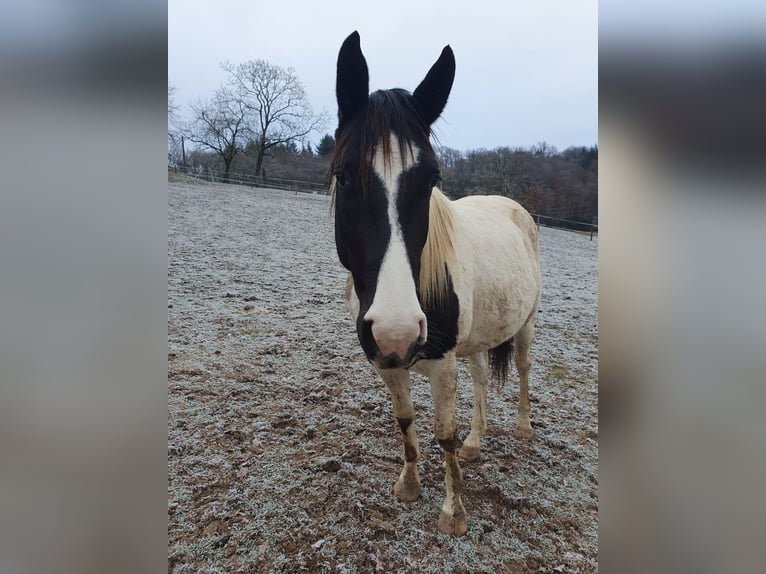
527,71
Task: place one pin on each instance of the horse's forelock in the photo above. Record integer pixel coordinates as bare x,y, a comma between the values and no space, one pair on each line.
387,112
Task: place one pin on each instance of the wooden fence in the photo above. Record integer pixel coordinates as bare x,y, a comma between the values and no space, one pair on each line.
237,178
569,224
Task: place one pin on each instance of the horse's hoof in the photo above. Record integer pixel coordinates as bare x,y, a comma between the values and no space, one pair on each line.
454,525
524,433
407,491
469,453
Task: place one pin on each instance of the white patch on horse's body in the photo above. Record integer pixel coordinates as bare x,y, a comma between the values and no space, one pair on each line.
395,312
497,279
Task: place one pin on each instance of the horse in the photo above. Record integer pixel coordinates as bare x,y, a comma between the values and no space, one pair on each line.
430,279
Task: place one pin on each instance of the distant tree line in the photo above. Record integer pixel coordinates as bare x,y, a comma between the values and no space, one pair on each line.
258,123
547,182
554,184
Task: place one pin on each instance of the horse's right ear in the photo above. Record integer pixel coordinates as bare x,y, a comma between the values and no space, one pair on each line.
353,81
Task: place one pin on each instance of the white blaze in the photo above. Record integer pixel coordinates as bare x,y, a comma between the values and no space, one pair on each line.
395,312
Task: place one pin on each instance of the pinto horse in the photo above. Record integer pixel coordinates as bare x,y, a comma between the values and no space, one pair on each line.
430,279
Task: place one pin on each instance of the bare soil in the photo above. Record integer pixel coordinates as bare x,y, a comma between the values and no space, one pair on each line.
282,448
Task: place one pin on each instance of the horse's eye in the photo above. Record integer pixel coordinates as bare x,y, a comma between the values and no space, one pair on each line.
340,179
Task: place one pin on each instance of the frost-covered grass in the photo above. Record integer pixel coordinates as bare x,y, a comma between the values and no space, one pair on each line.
282,449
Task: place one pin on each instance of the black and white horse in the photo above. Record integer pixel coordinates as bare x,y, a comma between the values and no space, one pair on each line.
431,279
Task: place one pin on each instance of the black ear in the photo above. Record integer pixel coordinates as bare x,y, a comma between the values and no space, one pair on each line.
432,93
352,84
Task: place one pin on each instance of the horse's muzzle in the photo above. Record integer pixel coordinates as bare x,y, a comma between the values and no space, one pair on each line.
394,361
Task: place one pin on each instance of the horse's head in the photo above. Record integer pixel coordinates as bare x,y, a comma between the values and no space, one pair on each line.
384,169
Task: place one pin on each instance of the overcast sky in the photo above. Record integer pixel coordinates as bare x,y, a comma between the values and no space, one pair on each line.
527,71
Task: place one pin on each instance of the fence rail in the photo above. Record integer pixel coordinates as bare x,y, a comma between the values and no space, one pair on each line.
568,224
216,175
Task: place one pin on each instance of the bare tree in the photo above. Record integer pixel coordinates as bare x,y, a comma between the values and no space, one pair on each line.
277,100
175,142
172,106
506,166
220,124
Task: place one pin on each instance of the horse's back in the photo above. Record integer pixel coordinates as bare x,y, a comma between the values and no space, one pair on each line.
499,207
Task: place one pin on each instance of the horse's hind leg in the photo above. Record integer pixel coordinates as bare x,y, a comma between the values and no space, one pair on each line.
407,487
523,341
479,364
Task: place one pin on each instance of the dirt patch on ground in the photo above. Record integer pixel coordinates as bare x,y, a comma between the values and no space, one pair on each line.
282,448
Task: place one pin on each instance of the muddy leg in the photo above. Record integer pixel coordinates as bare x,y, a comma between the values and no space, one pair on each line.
442,374
407,487
523,340
479,364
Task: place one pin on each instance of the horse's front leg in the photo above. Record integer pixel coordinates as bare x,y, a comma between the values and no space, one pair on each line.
407,487
442,374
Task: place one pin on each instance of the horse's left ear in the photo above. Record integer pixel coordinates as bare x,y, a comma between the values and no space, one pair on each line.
432,93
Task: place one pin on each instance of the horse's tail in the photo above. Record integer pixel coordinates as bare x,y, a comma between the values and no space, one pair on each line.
500,362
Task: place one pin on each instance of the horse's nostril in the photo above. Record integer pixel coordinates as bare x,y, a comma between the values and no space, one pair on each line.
423,335
370,317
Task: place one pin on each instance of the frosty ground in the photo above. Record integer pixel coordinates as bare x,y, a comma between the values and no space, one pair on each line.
282,447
